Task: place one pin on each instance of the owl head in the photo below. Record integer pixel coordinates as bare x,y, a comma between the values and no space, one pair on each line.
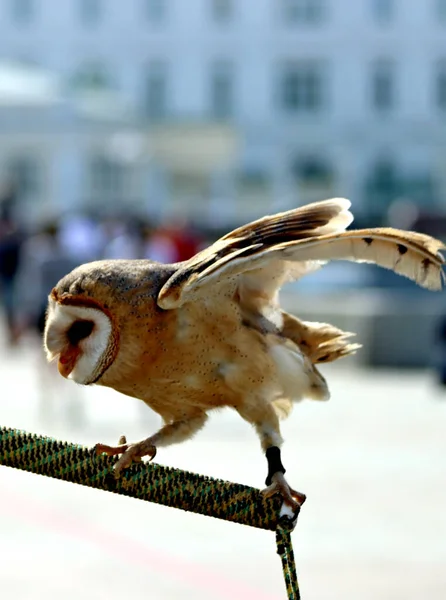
81,335
96,311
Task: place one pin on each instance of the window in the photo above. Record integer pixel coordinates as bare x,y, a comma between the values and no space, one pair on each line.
383,10
222,10
303,11
22,11
440,85
91,77
302,87
384,175
312,170
383,85
27,61
382,185
222,90
155,10
253,184
155,101
440,9
106,178
24,173
90,11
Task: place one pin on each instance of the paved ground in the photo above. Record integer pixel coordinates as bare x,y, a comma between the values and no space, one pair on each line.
372,462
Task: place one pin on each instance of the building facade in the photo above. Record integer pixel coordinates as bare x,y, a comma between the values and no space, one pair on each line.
281,101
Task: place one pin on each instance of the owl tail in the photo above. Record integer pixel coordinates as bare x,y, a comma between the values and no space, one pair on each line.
283,407
320,342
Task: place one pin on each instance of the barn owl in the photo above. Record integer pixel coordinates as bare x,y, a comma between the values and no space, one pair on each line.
190,337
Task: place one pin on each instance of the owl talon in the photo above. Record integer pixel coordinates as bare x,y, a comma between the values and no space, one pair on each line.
122,441
111,450
291,498
134,453
130,453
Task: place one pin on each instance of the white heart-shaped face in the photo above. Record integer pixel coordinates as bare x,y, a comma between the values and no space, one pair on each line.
89,345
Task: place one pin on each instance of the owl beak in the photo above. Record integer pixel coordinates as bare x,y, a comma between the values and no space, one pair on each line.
67,361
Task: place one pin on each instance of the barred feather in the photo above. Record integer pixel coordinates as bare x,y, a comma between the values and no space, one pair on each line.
318,218
413,255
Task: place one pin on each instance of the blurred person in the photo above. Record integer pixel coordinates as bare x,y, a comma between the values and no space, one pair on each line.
402,213
44,261
121,240
8,201
159,245
80,237
174,241
185,238
11,239
440,362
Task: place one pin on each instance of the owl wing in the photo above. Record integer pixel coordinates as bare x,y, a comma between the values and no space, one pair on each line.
261,256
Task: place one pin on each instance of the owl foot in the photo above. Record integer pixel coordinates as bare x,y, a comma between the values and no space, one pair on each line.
279,485
130,453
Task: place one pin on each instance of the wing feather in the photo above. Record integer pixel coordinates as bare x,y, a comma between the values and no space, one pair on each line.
260,256
328,216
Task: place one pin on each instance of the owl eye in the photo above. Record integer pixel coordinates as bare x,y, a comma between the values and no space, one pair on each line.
78,331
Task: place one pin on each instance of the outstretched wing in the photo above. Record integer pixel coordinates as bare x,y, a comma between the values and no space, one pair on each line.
253,240
264,254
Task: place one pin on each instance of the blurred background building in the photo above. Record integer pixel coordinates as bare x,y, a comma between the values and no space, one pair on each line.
223,110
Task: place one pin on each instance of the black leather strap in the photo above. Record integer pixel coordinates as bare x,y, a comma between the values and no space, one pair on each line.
274,463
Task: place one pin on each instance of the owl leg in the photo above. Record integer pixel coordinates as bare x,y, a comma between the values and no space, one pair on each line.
264,418
172,433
